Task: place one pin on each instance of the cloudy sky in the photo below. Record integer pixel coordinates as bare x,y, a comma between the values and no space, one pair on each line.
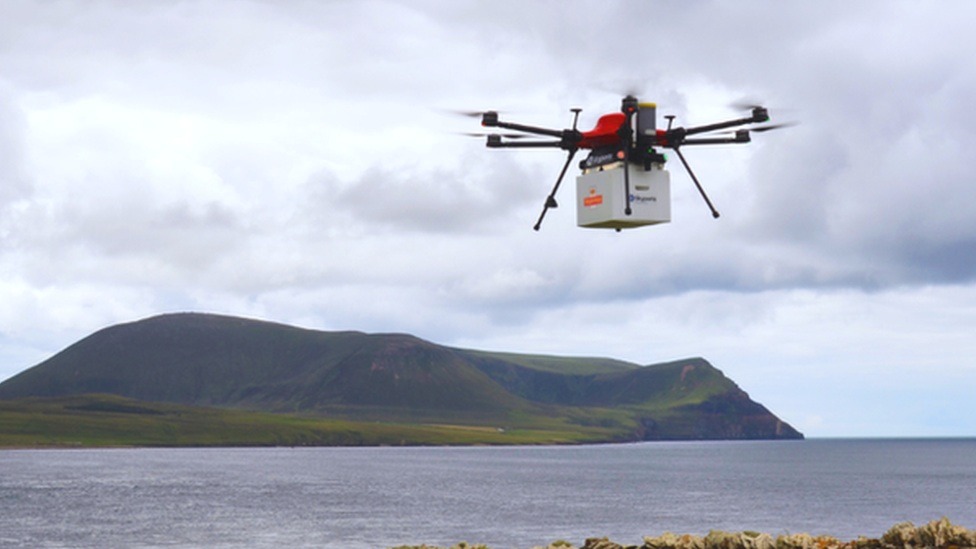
297,162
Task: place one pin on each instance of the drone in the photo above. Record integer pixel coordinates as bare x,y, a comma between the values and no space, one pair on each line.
623,183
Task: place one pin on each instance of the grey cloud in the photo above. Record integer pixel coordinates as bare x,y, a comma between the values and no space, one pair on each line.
14,183
125,240
833,205
481,196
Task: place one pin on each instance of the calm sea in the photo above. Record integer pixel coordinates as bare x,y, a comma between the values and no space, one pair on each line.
504,497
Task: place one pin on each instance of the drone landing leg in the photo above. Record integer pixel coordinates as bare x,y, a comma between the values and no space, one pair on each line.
627,210
697,184
551,199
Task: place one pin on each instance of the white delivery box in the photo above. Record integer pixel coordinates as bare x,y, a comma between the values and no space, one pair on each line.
601,201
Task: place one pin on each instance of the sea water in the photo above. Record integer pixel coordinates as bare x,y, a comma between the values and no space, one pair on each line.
500,496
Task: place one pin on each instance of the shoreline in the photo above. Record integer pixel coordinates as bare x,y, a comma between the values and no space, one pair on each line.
937,534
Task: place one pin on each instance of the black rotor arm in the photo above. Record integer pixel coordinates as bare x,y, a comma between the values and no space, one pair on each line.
741,136
526,129
567,138
759,114
674,138
495,142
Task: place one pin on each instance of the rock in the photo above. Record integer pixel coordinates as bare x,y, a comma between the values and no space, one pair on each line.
558,544
938,534
601,543
672,541
745,540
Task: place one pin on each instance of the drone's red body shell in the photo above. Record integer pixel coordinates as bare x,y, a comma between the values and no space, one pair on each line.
606,132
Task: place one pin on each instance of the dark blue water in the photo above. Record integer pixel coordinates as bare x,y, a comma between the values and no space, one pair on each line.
503,497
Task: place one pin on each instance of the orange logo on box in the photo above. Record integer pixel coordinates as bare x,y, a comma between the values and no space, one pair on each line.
593,200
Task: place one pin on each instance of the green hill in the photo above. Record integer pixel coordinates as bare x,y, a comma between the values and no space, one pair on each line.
109,420
224,362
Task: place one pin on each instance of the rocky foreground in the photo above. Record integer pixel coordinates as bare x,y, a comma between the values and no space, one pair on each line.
936,534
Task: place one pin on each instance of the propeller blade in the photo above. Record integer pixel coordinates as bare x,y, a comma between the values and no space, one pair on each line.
469,114
623,87
748,104
767,127
762,128
551,199
745,104
505,135
697,184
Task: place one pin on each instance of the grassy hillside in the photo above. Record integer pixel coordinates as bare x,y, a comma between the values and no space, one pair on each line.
553,364
210,360
681,382
232,363
108,420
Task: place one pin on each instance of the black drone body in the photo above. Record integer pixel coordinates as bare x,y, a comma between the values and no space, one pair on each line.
624,147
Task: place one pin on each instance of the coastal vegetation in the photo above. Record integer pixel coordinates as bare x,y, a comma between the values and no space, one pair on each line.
938,534
112,421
